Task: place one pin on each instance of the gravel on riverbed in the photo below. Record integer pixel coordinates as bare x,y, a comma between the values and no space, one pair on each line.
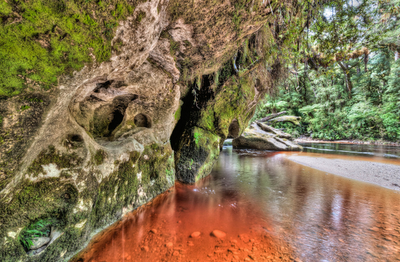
384,175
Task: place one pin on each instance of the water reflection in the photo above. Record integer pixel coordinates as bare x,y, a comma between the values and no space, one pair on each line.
353,149
272,209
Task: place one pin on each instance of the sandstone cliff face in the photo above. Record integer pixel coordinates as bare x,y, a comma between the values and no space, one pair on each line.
113,135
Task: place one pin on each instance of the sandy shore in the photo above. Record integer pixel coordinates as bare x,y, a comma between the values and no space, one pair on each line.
384,175
351,142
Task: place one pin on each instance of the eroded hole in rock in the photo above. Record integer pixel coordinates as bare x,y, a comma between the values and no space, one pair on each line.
107,118
142,121
75,138
234,129
73,141
104,85
117,118
108,84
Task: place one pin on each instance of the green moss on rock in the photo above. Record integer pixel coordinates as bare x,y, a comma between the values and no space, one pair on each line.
135,182
52,156
99,157
41,40
47,199
198,151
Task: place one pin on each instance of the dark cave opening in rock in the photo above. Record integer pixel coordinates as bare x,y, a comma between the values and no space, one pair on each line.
75,138
108,84
104,85
142,121
193,102
234,129
117,118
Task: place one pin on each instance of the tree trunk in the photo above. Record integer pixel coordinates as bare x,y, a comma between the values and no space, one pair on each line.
346,71
265,119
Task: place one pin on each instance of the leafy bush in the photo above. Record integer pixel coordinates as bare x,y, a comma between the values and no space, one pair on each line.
38,229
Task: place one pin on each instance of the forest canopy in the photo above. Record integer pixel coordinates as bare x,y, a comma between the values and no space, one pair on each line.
343,74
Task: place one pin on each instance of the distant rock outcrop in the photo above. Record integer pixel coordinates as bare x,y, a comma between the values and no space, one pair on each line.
263,137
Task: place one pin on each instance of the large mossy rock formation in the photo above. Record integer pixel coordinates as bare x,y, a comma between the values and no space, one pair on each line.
105,103
262,137
205,123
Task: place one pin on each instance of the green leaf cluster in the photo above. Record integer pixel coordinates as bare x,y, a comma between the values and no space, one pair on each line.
40,228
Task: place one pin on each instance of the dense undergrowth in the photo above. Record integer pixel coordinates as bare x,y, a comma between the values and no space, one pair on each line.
41,40
346,84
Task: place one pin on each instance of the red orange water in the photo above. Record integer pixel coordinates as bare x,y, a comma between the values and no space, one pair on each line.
270,208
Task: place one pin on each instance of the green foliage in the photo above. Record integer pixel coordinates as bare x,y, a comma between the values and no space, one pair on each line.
321,99
346,84
38,229
41,40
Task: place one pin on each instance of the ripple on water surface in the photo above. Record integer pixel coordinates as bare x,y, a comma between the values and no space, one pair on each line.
270,208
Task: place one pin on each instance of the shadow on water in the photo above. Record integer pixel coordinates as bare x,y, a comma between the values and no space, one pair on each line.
270,208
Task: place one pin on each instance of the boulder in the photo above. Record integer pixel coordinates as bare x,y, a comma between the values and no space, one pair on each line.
262,137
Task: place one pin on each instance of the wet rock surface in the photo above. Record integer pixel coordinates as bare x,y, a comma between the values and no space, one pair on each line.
262,137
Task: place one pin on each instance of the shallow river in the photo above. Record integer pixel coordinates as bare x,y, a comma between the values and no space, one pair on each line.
270,208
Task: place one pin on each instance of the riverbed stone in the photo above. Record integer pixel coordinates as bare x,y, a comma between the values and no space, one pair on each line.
218,234
195,234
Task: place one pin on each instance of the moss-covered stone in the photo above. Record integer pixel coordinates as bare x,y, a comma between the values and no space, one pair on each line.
50,198
18,129
197,154
99,157
134,183
52,156
229,104
43,39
